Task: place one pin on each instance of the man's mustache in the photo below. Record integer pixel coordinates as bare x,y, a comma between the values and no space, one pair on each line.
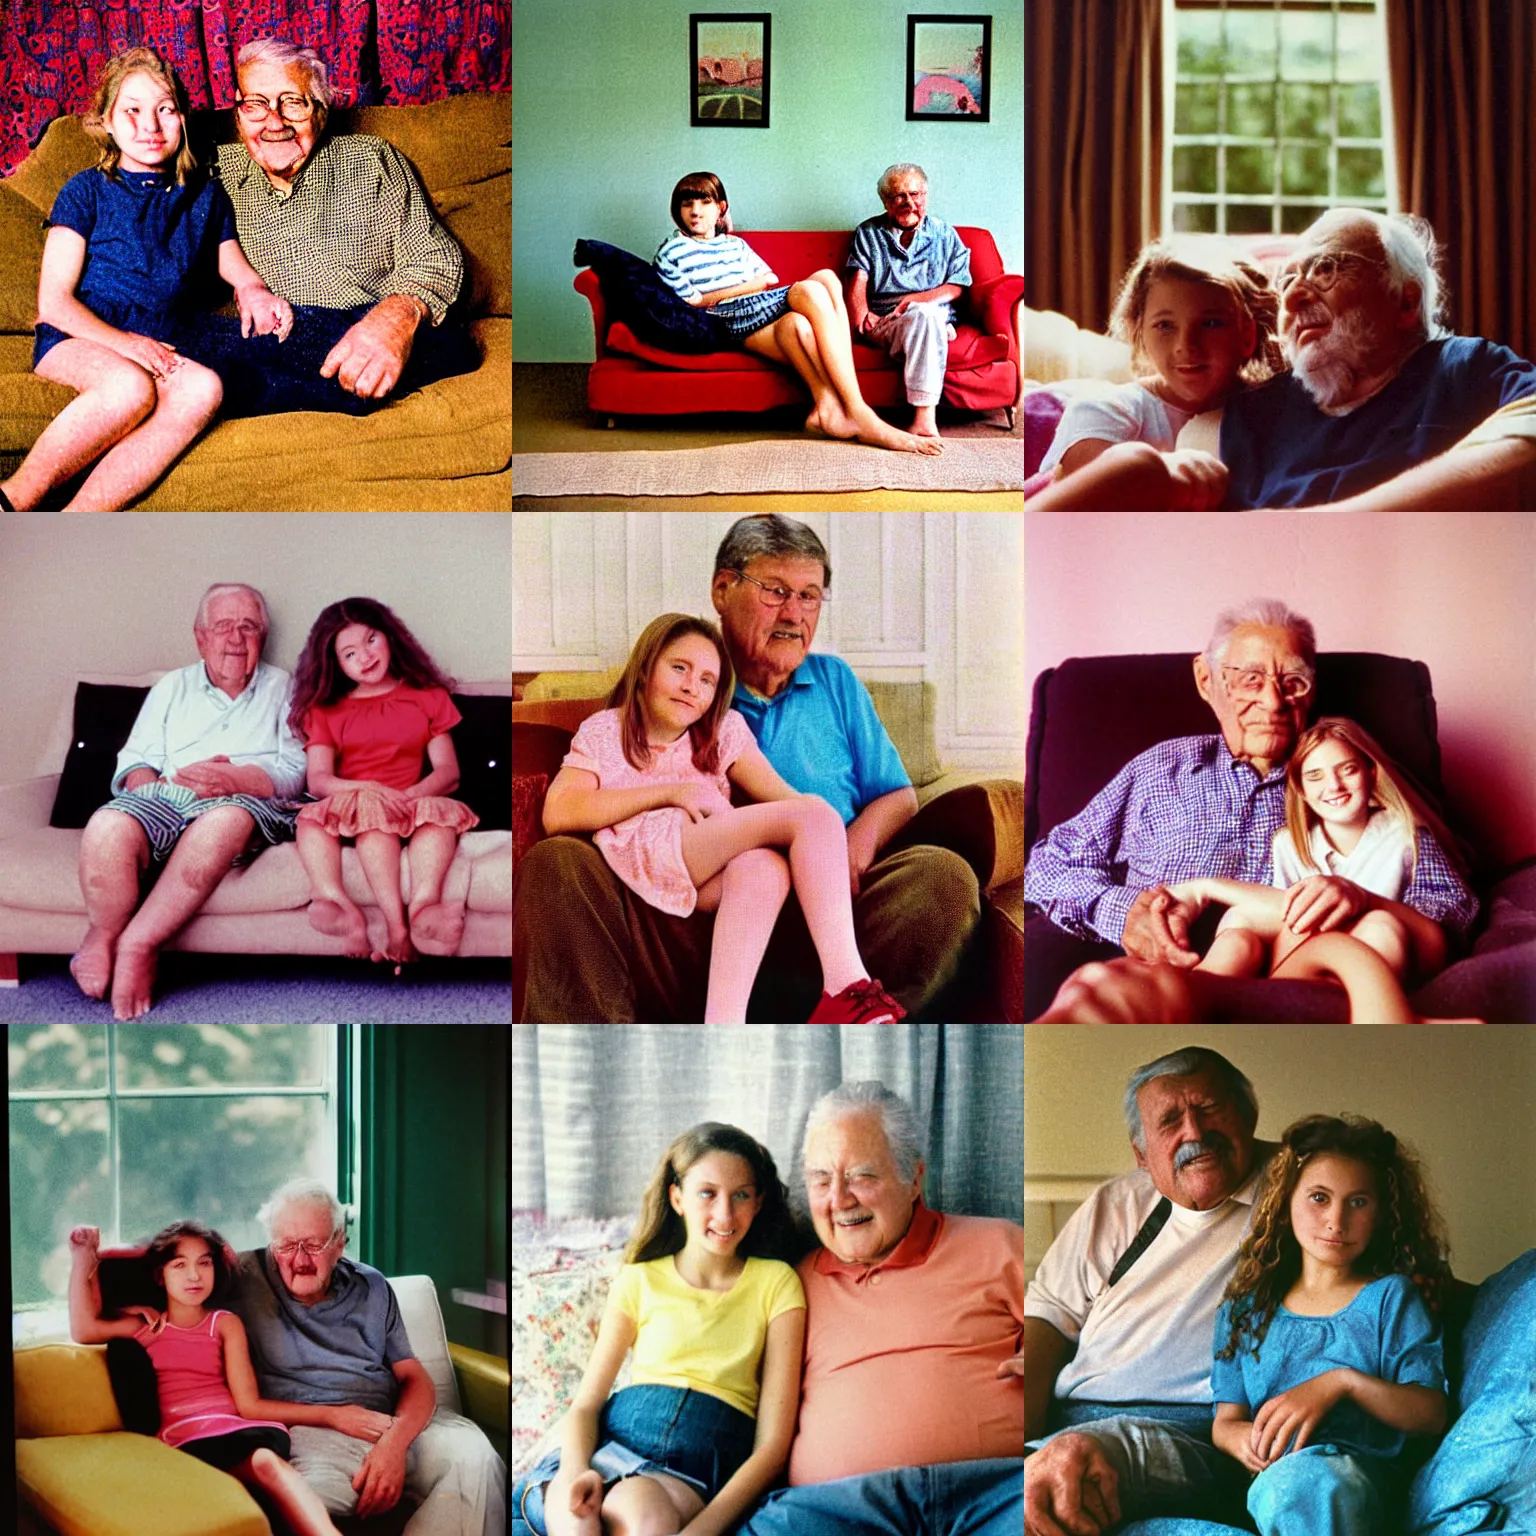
1214,1144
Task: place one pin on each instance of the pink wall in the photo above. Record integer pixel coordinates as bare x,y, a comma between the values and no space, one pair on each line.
1455,590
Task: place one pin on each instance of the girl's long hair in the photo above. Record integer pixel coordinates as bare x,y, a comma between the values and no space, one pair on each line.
1388,792
627,693
162,1249
662,1231
1408,1239
117,69
318,678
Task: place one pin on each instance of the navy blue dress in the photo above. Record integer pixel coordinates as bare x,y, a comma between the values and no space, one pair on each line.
151,249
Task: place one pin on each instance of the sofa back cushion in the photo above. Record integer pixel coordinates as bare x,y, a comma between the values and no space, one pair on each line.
22,234
104,715
482,741
62,1389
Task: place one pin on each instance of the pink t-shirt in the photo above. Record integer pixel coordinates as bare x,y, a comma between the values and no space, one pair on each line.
195,1400
645,851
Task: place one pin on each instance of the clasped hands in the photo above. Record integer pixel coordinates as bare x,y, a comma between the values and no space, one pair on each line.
208,779
1288,1421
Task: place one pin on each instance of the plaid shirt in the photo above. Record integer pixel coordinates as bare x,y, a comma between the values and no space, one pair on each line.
1188,808
355,227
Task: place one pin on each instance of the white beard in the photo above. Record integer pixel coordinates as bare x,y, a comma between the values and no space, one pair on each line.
1330,369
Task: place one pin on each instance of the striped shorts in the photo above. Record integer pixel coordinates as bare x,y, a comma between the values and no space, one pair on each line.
752,311
165,811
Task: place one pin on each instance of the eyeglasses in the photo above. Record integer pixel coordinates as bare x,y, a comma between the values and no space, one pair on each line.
1322,272
292,109
310,1250
246,629
776,597
1250,683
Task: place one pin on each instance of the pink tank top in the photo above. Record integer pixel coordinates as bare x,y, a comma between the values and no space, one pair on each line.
195,1400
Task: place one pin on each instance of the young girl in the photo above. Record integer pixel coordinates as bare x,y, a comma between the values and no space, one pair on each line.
1346,814
374,711
1327,1359
131,240
803,325
209,1403
1200,319
651,776
717,1322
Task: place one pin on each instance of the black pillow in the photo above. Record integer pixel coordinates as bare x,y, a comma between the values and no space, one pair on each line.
104,715
483,742
634,293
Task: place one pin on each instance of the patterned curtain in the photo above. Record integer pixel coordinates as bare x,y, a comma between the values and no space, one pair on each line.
387,51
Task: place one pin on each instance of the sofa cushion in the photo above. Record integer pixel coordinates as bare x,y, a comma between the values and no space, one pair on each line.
62,1389
528,791
983,823
483,742
22,234
104,715
490,871
634,293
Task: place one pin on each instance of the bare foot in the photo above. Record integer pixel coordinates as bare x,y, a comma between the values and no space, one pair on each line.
133,981
92,964
923,422
880,434
830,417
437,928
397,948
343,920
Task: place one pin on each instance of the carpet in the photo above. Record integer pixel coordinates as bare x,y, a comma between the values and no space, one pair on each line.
806,465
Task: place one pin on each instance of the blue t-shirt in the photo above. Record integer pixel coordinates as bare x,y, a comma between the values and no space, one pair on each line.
936,256
1282,451
823,737
1386,1332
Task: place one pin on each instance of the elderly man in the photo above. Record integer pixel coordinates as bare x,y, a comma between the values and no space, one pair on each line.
906,268
912,1402
341,228
200,784
1202,805
609,956
324,1329
1383,409
1120,1315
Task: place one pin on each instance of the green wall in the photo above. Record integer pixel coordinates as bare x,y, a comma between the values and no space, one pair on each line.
600,136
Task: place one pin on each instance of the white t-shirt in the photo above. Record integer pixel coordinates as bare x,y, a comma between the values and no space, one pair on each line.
1381,863
1148,1338
1117,413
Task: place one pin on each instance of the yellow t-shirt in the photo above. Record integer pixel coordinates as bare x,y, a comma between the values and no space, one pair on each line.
710,1341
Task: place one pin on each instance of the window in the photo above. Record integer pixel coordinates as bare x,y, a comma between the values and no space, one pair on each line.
1279,111
127,1127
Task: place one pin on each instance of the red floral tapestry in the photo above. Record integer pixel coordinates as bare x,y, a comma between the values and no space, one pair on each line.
391,52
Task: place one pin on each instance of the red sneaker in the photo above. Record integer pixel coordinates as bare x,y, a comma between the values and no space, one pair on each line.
862,1003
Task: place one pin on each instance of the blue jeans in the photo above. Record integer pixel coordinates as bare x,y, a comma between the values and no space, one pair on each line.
961,1498
1325,1491
690,1435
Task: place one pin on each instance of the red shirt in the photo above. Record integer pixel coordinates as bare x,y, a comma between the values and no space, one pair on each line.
382,740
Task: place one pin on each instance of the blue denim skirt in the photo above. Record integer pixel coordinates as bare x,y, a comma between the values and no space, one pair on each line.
689,1435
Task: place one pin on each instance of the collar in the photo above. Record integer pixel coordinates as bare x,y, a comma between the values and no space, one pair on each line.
248,169
801,677
1323,851
147,181
210,687
895,229
912,1250
1225,757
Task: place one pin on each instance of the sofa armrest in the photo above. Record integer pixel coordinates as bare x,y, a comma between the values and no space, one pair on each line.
587,285
993,304
27,804
983,822
485,1385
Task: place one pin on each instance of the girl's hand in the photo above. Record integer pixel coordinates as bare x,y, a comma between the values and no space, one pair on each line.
262,313
699,800
1198,481
83,1243
1286,1423
697,301
586,1494
151,1315
395,799
157,358
360,1423
1193,895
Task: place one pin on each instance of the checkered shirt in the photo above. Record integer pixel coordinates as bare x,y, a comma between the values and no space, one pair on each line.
1184,809
355,227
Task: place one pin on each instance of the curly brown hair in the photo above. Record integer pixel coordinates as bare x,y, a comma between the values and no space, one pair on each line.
1409,1236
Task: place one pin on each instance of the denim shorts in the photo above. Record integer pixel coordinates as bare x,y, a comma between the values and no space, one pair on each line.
689,1435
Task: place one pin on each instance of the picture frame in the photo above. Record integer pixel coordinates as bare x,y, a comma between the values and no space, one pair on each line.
729,56
949,69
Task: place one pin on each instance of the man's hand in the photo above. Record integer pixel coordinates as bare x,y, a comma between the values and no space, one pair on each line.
262,313
216,776
1070,1489
83,1243
151,1315
861,853
138,779
1125,992
1012,1366
1157,928
370,358
360,1423
380,1480
1285,1423
1197,481
699,800
1321,903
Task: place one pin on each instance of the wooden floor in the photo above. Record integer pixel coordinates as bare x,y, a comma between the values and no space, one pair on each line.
550,415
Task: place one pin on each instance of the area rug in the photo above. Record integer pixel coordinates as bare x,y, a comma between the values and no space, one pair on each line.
810,465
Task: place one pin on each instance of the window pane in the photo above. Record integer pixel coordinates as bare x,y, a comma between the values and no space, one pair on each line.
67,1056
1194,168
215,1055
1194,218
1251,43
1195,109
1304,111
1306,45
1304,170
1199,42
1360,173
1249,218
1359,112
1296,217
59,1180
1251,111
1250,171
1359,47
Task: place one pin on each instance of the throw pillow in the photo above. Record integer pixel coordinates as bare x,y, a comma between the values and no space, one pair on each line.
104,715
483,741
1043,411
634,293
528,792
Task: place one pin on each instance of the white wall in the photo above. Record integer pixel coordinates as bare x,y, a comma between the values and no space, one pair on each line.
935,596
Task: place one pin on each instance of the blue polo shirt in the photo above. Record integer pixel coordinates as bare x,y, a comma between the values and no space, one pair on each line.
936,256
823,737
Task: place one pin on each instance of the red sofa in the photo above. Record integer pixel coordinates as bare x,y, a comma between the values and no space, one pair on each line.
632,378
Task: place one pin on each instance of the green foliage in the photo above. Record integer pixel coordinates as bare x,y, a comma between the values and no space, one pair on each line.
1199,42
1250,171
1251,42
1304,111
1304,170
1194,218
1197,109
1250,218
1251,111
1194,168
1306,45
1359,112
1361,174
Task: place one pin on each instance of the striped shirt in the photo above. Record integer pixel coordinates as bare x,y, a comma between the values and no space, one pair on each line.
354,227
693,267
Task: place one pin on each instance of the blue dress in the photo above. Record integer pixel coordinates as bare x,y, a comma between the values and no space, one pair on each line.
151,249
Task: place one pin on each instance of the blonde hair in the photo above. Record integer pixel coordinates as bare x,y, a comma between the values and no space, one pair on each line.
627,692
129,62
1202,259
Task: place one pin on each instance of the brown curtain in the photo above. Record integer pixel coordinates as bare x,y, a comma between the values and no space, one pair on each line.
1461,74
1093,149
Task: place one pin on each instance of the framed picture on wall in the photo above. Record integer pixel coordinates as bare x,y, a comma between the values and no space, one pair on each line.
949,69
729,78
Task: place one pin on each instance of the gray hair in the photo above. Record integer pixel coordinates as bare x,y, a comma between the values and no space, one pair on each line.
201,621
1185,1063
303,1191
771,533
1269,612
1413,256
891,172
279,51
903,1132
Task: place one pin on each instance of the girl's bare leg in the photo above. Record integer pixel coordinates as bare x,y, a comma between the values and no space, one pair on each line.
818,861
790,340
1375,993
746,896
332,911
1130,477
1235,952
1387,935
649,1505
296,1501
436,925
113,397
379,853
